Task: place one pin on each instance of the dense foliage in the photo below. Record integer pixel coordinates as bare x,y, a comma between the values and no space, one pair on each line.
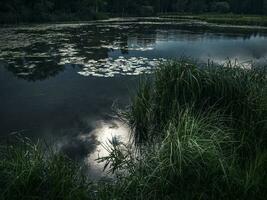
56,10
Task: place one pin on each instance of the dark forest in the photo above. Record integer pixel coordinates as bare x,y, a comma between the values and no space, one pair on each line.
15,11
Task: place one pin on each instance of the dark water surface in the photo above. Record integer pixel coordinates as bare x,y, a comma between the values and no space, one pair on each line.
58,82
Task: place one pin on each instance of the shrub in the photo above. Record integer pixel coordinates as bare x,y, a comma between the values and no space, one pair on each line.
146,10
220,7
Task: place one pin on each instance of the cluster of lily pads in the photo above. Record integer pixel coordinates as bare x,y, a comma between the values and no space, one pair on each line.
128,48
110,67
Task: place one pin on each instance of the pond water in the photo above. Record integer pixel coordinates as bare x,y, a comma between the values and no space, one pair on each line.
60,82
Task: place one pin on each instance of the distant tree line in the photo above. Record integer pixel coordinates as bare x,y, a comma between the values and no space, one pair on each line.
12,11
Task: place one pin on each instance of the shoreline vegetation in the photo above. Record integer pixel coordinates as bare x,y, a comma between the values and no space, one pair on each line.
210,19
199,132
237,12
221,19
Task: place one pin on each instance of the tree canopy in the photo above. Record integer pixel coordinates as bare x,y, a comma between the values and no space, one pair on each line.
47,10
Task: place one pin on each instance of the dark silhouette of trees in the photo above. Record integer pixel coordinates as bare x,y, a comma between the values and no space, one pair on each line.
57,10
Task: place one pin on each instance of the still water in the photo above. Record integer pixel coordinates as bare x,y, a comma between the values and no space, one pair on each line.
61,82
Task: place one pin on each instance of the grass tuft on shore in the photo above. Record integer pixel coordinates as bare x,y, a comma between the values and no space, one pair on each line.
235,92
27,171
201,131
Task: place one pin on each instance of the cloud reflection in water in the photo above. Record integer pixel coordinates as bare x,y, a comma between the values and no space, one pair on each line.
105,131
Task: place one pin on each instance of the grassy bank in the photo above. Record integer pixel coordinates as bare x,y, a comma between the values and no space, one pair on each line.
226,19
200,133
29,172
235,19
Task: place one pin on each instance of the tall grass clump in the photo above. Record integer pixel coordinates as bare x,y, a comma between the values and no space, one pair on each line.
201,131
234,91
196,159
29,172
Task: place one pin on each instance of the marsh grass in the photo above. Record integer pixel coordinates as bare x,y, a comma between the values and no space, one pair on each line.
28,171
226,19
252,20
196,159
235,92
199,131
